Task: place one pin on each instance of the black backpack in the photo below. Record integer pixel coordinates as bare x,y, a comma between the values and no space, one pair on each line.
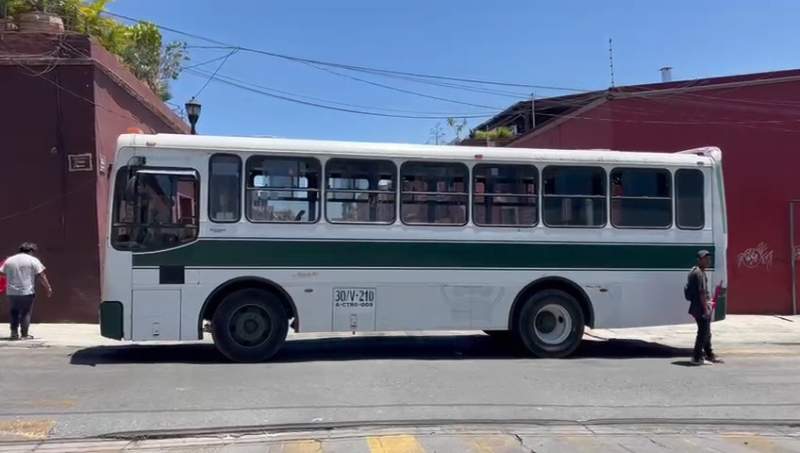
687,292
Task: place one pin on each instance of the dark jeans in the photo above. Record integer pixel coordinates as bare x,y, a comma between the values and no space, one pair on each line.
21,307
702,343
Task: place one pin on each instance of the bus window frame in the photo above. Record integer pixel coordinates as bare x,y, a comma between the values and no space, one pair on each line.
605,197
239,192
468,193
319,191
671,198
395,171
536,196
702,193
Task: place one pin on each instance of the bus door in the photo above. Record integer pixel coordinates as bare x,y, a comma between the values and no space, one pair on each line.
157,210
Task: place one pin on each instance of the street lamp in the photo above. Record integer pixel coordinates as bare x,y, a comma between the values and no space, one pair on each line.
193,108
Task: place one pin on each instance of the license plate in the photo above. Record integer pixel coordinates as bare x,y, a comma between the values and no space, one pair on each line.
353,297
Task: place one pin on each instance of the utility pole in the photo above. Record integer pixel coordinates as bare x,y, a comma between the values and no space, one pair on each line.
533,110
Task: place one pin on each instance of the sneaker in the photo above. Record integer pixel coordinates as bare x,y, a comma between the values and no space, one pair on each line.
27,337
697,362
714,359
14,337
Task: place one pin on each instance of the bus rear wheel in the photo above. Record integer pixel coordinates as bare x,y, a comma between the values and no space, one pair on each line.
550,324
250,325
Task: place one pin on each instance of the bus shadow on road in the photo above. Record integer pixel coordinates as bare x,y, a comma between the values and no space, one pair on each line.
439,347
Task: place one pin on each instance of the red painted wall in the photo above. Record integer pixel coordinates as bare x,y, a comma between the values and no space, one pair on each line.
41,201
50,111
757,128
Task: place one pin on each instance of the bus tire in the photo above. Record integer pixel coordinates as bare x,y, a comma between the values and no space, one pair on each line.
250,325
550,324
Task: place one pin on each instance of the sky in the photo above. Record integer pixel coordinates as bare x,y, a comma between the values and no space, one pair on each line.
531,43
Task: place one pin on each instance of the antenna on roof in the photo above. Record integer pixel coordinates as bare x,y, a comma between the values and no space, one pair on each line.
611,60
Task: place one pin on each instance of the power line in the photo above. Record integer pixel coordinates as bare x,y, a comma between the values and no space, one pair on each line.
41,75
403,90
201,73
215,72
378,71
475,89
264,92
205,62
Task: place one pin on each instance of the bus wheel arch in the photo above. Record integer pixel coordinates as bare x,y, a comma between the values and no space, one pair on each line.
214,300
556,283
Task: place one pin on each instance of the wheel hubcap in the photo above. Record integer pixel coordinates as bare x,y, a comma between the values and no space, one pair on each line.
250,325
552,324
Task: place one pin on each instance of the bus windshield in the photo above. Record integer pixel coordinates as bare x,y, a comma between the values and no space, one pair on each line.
154,209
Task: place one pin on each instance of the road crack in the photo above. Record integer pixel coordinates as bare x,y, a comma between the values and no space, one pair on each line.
522,443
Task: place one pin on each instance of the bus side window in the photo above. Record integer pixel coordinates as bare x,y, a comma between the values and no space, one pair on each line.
434,193
641,198
360,191
282,189
689,200
504,195
574,196
225,188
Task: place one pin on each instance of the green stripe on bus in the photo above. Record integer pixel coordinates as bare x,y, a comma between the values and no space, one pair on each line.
312,253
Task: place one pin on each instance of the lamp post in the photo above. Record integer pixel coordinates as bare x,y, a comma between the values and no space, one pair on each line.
193,108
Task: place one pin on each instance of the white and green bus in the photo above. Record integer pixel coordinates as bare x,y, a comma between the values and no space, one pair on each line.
250,237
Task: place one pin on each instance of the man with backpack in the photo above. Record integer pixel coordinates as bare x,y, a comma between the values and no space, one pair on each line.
696,292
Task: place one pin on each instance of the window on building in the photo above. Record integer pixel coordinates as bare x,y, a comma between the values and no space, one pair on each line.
434,193
574,196
225,188
690,204
641,198
283,189
154,209
504,195
360,191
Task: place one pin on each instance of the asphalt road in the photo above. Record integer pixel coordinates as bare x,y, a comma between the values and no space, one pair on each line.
96,391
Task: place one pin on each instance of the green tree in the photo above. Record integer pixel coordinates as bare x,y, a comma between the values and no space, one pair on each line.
150,61
457,126
494,134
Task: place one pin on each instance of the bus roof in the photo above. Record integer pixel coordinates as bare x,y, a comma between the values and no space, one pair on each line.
702,156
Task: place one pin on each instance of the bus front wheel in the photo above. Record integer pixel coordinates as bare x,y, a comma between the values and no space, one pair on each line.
250,325
550,324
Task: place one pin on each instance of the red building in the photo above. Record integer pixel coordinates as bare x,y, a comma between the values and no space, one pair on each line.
753,118
63,102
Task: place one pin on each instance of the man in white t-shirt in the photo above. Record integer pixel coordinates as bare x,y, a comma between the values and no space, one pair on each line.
21,271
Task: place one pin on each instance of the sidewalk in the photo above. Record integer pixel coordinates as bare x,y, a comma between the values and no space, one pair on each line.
740,334
545,438
737,334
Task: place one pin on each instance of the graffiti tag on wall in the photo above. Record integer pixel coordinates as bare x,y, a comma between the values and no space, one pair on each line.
754,257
